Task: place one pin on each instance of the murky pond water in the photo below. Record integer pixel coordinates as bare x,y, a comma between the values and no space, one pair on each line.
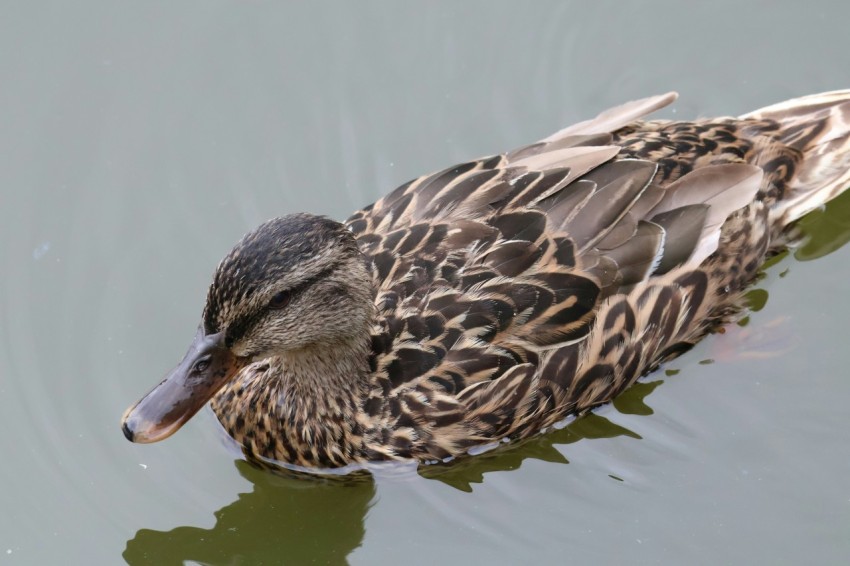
139,140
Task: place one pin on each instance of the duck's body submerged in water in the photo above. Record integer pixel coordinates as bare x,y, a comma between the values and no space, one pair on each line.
495,298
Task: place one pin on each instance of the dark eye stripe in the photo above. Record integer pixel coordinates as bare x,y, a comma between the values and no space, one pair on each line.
316,278
241,325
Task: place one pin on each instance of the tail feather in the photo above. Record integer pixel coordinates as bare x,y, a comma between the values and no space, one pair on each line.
818,126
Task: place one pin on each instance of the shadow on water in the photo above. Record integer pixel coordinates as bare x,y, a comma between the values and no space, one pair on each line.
282,521
290,520
826,229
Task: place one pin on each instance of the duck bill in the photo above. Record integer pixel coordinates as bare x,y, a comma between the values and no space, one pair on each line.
206,368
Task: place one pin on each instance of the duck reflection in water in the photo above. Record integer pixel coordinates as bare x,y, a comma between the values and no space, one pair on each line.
286,519
283,520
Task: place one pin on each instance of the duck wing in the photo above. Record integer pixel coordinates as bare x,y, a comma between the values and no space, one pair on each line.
489,275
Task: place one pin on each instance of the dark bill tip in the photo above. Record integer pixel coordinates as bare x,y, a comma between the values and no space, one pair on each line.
127,432
206,368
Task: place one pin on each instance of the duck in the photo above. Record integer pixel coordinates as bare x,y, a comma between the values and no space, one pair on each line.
494,299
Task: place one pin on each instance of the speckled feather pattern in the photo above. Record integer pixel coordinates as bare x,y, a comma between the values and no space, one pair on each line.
509,292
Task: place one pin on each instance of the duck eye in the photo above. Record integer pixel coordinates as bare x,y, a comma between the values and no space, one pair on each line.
202,365
280,300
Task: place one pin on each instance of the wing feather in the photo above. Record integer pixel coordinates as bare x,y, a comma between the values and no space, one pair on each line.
491,276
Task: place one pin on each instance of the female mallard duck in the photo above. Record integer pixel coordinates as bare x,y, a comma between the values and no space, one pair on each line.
497,297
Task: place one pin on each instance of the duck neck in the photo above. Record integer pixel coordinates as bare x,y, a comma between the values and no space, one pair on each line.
301,407
324,378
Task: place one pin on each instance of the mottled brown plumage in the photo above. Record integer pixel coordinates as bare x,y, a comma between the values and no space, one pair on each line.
499,296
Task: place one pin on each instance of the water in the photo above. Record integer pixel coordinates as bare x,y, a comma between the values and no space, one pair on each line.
138,141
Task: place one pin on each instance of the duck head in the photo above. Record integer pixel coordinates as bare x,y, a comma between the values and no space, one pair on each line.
295,283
